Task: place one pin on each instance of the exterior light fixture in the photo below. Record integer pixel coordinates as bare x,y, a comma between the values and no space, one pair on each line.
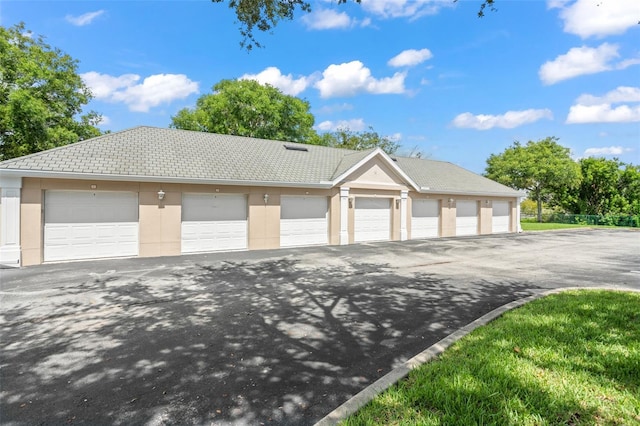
266,199
161,195
350,202
451,200
397,203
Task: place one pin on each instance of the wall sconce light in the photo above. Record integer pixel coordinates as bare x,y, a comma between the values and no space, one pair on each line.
94,186
161,195
451,200
351,202
266,199
397,203
487,202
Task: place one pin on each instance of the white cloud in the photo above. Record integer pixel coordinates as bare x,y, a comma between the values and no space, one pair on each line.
355,124
104,121
328,19
396,137
413,9
618,95
508,120
583,60
603,113
103,86
591,18
607,150
153,91
286,83
349,79
410,57
85,19
598,109
557,4
580,61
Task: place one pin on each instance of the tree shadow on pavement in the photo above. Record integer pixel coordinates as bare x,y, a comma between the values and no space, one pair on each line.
268,342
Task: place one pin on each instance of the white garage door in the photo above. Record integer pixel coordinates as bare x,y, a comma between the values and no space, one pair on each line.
88,225
372,219
466,218
501,217
425,218
303,221
213,222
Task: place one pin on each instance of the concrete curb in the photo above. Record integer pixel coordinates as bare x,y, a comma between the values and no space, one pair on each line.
389,379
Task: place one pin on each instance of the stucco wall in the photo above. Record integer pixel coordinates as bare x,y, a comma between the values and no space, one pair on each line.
374,174
486,214
160,220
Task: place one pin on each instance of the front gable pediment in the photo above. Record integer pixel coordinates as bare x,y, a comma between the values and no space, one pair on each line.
375,170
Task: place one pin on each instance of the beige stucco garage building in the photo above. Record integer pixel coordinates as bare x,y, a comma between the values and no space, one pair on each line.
159,192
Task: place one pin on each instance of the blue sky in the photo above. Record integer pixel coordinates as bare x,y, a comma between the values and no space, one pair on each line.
428,73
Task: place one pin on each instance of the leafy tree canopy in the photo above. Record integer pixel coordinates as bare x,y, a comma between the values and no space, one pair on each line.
41,96
264,15
543,168
345,138
247,108
607,187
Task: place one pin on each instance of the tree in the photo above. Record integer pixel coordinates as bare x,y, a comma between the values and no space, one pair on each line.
543,168
630,188
265,15
607,187
247,108
41,96
346,138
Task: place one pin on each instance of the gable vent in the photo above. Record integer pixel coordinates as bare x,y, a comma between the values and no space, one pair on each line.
296,148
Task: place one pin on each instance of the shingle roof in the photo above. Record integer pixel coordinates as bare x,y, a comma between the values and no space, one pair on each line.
148,152
441,176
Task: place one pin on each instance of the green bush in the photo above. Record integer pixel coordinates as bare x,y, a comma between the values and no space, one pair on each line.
604,220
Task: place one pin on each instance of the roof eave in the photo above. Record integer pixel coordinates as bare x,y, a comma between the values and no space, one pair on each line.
159,179
426,190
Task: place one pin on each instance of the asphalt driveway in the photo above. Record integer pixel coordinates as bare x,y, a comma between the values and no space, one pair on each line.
270,337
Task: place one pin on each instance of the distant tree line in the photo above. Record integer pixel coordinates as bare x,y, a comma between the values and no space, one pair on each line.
589,186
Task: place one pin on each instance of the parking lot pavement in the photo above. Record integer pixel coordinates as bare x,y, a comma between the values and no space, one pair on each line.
273,337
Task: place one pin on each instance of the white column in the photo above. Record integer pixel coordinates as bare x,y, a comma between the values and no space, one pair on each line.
344,216
10,221
403,215
518,226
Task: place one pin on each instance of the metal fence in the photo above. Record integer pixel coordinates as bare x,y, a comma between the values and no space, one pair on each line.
585,219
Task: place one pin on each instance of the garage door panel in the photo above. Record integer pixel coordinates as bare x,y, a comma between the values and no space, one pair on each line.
466,218
213,222
501,219
425,227
303,207
213,208
425,219
89,225
466,209
425,208
372,217
303,232
303,221
467,226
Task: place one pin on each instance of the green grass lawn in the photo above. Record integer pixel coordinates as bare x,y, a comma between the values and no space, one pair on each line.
535,226
567,359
